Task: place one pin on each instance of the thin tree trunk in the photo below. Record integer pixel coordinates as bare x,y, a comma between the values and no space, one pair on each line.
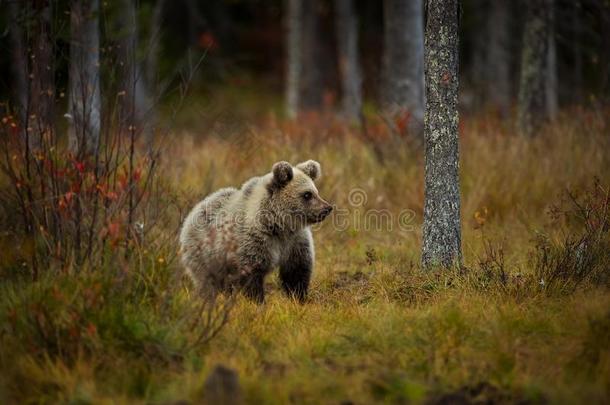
136,103
403,59
152,63
311,84
532,100
19,58
84,97
552,101
498,56
441,227
151,67
576,54
42,84
349,63
480,69
605,51
293,56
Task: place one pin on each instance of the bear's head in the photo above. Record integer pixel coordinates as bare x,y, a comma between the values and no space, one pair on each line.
293,201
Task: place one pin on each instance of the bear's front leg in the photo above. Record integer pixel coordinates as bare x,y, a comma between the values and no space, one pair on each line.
296,266
255,264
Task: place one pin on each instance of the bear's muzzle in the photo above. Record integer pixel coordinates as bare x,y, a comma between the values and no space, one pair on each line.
324,212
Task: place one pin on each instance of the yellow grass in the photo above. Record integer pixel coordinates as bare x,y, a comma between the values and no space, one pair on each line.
376,327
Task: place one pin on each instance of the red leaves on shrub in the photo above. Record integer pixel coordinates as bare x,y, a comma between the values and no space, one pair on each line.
79,166
112,232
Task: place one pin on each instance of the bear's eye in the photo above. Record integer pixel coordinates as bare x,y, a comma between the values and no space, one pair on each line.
307,195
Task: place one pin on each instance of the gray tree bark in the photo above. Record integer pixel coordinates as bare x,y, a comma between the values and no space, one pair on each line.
552,100
84,95
498,81
349,64
531,106
403,57
19,58
294,15
441,227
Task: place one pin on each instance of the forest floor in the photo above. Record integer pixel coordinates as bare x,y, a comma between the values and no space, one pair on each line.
525,320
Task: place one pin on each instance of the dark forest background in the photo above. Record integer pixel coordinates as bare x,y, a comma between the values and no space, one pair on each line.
244,46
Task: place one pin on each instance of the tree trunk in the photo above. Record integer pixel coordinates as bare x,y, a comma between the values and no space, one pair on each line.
498,81
605,51
441,227
84,97
552,101
532,100
19,59
577,83
294,15
312,57
479,68
42,82
349,64
403,84
136,102
150,83
152,60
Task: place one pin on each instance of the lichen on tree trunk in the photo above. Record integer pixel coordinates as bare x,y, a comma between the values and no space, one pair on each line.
441,227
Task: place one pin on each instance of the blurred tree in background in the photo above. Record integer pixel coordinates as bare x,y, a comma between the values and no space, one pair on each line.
403,67
340,55
84,98
535,69
349,58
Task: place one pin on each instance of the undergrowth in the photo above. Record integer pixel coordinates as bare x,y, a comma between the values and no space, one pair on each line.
525,319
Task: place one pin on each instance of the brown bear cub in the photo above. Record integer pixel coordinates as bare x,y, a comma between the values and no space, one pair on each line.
234,238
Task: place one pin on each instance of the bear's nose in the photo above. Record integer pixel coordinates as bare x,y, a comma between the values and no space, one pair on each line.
327,210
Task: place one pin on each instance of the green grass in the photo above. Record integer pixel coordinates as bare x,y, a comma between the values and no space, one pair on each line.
376,328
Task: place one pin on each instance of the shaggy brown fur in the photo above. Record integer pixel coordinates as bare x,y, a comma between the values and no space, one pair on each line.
234,238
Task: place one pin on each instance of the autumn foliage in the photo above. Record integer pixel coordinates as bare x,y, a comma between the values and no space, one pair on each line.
72,209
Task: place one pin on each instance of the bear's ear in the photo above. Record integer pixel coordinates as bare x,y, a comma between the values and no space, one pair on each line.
282,174
311,168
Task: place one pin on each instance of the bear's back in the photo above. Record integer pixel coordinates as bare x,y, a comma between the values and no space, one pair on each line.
204,214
